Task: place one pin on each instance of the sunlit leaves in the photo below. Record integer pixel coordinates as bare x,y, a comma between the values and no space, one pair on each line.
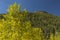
14,8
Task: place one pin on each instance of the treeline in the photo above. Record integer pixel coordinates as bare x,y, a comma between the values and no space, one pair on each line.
23,25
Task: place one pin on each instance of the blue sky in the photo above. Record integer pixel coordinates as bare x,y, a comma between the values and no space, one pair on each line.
51,6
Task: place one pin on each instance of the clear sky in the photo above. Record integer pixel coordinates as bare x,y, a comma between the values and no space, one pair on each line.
51,6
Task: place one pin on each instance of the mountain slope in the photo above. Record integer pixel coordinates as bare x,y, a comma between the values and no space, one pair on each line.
44,19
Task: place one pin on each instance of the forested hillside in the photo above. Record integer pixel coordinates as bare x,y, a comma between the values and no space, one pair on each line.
23,25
